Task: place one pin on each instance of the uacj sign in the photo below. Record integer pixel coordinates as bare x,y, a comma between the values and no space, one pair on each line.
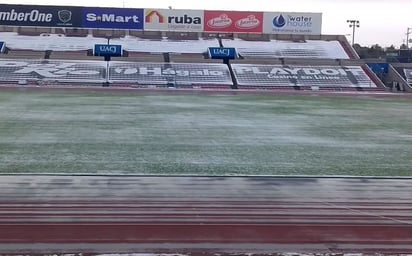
112,18
230,21
292,23
173,20
33,15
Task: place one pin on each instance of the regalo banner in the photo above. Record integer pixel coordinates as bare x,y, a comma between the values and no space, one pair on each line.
163,73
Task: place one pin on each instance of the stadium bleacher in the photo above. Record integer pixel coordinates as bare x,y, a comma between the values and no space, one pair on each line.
408,75
287,49
301,77
189,50
181,75
58,71
68,55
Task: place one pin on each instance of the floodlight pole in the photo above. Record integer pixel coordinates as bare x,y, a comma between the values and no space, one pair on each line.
353,24
408,32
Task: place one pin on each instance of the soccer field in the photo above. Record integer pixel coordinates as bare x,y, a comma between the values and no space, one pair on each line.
131,133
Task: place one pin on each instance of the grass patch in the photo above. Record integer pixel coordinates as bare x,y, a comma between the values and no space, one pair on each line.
78,132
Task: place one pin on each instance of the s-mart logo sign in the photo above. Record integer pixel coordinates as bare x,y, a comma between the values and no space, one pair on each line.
231,21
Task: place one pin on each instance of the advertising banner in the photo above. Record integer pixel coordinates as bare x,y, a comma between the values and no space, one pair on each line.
173,20
294,75
37,15
2,46
112,50
292,23
53,70
222,52
117,18
379,68
165,73
231,21
408,75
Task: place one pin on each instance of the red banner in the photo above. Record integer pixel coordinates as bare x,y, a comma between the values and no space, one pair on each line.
231,21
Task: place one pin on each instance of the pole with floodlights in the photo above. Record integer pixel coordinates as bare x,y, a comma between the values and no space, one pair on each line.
353,24
408,32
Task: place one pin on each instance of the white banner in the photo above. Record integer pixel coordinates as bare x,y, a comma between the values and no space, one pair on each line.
408,75
164,73
53,70
294,75
173,20
292,23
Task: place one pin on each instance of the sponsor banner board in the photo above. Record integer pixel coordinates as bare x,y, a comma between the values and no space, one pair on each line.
166,73
37,15
112,50
293,75
232,21
408,75
292,23
2,46
379,68
173,20
222,52
53,70
117,18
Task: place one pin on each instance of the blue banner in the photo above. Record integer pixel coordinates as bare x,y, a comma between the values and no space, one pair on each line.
222,52
379,67
112,50
37,15
93,17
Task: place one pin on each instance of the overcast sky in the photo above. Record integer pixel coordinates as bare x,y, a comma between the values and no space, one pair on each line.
381,21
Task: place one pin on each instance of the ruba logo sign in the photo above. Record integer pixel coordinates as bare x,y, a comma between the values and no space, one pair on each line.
173,20
154,16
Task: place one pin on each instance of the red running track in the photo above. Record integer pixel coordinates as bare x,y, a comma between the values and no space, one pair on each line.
179,214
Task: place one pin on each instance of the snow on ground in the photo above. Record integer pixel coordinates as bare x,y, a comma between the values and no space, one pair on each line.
198,134
58,42
277,49
274,48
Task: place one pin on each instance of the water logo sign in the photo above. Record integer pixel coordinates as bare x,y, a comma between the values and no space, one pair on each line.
231,21
32,15
125,18
292,23
173,20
